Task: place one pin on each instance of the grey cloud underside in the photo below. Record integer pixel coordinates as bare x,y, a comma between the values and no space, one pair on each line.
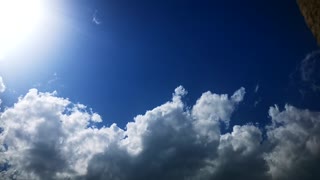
48,137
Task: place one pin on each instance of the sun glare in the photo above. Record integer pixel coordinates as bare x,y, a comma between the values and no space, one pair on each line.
18,19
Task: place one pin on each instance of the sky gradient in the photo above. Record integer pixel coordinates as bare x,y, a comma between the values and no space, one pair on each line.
162,89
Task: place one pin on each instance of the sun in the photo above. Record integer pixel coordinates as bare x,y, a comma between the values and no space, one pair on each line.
18,18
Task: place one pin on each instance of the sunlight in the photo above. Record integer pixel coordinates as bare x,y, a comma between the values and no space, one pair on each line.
18,18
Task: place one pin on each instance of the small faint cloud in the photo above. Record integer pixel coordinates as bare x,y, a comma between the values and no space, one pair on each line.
95,18
54,79
310,69
37,85
50,84
257,102
307,74
256,89
2,86
258,99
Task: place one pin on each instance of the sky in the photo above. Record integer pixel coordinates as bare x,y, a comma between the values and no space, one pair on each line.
109,89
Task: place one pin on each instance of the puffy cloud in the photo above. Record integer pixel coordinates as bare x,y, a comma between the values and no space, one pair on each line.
239,156
96,117
47,137
168,142
2,86
295,138
210,109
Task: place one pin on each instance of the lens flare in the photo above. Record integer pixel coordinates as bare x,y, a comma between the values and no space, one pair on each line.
18,19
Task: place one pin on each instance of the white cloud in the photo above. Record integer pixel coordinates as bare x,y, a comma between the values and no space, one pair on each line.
95,18
48,137
2,86
212,108
295,135
96,118
238,156
168,142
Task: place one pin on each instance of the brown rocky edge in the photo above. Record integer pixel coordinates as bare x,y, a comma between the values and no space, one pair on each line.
310,9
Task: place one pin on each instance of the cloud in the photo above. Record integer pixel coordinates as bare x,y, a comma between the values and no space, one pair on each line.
53,79
239,156
307,75
95,18
256,89
310,69
2,86
47,137
96,118
211,109
295,138
44,136
258,99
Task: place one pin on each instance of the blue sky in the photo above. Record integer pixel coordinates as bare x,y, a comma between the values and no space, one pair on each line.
141,51
122,58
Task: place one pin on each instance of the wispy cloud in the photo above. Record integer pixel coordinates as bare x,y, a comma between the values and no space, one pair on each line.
95,18
2,86
307,74
256,89
54,78
310,69
256,102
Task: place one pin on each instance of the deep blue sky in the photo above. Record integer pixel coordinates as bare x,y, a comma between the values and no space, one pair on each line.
143,50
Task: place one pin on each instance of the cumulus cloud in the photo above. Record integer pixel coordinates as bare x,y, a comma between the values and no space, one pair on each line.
96,117
239,156
295,138
47,137
2,86
44,136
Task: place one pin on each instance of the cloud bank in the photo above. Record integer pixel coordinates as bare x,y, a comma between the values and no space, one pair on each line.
44,136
